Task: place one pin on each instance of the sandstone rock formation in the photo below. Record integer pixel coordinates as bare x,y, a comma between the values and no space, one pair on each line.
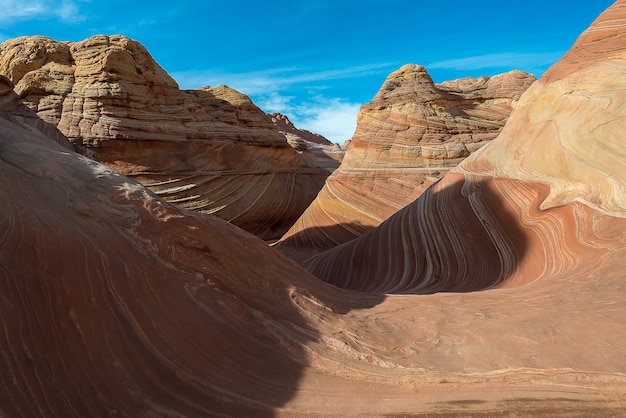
210,150
116,303
544,202
407,137
328,155
283,124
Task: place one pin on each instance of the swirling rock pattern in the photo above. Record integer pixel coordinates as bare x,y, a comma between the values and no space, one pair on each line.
407,137
116,303
546,200
209,150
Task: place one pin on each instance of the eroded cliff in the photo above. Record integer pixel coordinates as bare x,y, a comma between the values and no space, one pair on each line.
407,137
210,150
115,302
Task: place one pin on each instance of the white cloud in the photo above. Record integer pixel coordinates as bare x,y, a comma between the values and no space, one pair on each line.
66,10
520,60
274,79
332,117
294,92
274,102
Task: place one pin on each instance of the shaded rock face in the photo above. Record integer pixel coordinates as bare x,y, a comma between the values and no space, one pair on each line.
23,115
407,137
209,150
328,155
117,303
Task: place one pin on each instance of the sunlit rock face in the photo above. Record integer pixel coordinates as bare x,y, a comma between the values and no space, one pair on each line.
407,137
328,155
117,303
544,201
209,150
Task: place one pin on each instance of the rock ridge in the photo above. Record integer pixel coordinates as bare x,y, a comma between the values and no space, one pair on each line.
117,303
328,155
410,134
201,149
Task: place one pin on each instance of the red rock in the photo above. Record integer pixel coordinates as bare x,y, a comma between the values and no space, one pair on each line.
543,202
114,302
283,124
209,150
407,137
327,154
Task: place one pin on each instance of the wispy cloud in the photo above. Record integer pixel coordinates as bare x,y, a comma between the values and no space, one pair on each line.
276,78
332,117
295,92
521,60
66,10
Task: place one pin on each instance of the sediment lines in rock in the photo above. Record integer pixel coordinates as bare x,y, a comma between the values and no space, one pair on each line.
412,133
114,302
469,233
531,205
108,94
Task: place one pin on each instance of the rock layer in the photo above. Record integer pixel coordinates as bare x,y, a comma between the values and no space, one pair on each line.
328,155
283,124
407,137
114,302
545,201
210,150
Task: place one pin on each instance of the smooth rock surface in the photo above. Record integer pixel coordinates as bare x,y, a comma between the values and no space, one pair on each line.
116,303
545,201
407,137
209,150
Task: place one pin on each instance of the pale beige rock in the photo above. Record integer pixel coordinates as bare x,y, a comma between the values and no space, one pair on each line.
545,201
210,150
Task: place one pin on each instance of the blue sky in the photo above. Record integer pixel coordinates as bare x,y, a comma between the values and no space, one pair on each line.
317,61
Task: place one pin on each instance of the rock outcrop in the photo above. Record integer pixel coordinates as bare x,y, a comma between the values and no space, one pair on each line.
407,137
283,124
117,303
545,201
209,150
328,155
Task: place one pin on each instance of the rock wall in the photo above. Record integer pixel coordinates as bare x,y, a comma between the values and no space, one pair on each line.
545,200
407,137
210,150
116,303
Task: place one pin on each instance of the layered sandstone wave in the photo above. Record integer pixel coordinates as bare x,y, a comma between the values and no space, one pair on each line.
209,150
407,137
545,201
117,303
